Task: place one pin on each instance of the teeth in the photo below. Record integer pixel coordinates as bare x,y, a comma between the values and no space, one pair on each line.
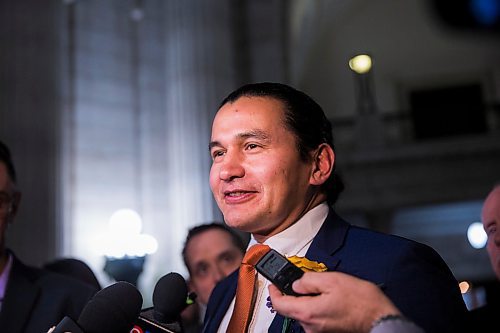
235,194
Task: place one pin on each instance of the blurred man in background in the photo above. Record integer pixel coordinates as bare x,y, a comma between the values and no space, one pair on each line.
31,299
491,224
484,318
211,252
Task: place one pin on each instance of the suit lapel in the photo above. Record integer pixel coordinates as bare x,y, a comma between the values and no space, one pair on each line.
222,295
328,240
20,298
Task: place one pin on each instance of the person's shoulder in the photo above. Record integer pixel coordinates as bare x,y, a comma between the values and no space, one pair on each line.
370,237
64,286
51,281
61,281
376,241
375,236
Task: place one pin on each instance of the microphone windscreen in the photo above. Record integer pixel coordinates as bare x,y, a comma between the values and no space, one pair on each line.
113,309
169,297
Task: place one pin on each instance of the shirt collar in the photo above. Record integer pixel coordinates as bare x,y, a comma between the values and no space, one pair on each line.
4,277
295,240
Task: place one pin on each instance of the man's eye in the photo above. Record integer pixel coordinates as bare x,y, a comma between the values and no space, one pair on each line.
251,146
217,153
228,258
201,271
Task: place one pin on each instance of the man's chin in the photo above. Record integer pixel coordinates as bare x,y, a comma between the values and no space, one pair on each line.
240,224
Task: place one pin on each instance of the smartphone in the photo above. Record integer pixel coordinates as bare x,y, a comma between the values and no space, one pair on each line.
280,271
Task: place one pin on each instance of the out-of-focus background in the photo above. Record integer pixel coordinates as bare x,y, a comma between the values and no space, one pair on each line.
107,106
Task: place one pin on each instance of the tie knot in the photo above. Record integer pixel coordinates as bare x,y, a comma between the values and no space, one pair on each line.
254,253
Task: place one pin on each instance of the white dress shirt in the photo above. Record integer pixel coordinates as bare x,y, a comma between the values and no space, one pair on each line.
292,241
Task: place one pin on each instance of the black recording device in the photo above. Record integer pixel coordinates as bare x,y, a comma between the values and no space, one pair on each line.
280,271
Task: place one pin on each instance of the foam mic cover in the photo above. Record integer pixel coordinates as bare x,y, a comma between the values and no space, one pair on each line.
112,309
169,298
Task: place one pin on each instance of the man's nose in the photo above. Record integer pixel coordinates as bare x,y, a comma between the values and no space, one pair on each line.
218,274
231,167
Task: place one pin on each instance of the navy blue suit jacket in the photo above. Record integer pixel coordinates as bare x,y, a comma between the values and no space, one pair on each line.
36,300
411,274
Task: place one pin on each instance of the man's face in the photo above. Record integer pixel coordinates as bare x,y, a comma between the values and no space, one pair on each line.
257,177
491,224
8,203
211,256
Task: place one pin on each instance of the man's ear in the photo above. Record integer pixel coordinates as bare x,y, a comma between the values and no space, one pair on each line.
323,162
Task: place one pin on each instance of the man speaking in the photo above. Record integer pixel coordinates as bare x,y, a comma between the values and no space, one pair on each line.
273,175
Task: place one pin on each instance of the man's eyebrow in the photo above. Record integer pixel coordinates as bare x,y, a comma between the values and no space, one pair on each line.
257,134
198,264
213,144
225,253
489,222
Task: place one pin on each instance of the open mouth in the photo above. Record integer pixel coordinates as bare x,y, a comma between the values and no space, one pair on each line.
237,196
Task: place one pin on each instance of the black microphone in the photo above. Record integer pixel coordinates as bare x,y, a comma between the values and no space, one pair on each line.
170,298
113,309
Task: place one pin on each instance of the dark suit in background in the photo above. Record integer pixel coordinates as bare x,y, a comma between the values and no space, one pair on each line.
411,274
36,299
484,319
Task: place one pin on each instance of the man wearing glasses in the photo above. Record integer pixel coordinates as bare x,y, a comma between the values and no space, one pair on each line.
31,299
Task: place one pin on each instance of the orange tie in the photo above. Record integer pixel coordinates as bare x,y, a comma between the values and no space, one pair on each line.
245,298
